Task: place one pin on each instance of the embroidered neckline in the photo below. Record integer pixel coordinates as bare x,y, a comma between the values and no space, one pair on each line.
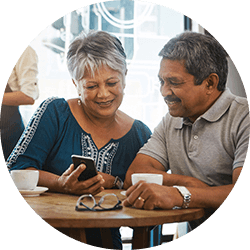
111,140
103,157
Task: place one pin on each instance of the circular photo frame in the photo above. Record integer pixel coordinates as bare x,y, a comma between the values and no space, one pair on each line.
124,87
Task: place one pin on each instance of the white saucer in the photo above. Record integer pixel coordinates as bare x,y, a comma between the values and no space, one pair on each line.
35,192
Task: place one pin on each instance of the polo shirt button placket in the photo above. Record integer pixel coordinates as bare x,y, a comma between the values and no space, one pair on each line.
196,137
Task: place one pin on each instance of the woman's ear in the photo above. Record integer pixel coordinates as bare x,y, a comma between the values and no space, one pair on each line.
77,87
124,79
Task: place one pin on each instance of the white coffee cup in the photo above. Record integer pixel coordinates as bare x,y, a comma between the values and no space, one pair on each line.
25,179
149,178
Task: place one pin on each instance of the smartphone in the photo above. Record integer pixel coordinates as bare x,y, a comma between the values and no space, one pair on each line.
90,170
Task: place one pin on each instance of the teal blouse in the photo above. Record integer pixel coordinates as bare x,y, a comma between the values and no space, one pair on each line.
53,135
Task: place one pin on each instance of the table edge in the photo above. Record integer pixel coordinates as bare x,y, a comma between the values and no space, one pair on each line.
196,213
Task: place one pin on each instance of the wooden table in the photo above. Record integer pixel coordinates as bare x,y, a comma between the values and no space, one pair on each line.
59,211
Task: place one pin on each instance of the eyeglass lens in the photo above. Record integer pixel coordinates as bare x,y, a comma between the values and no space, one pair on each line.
88,201
108,201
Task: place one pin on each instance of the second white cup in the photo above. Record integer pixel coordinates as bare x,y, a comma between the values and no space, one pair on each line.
149,178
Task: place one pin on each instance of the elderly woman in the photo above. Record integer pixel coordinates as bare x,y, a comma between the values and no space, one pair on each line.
90,125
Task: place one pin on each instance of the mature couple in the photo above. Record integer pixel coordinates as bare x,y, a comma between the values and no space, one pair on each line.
203,139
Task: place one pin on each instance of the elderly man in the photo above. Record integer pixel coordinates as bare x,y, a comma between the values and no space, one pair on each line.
203,139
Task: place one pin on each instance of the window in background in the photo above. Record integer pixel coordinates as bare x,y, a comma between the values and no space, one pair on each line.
142,27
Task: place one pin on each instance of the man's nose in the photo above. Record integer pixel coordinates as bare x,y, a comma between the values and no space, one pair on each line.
166,90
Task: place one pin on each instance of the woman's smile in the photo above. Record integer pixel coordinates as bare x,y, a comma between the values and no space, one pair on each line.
105,104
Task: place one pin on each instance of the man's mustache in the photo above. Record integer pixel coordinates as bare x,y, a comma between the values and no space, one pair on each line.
170,98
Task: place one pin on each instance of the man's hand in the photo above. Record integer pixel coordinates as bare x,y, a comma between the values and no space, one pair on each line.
149,196
68,182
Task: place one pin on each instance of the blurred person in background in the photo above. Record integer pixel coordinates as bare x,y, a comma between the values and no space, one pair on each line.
21,89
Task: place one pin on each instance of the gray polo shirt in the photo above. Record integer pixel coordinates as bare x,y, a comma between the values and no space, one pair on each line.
208,149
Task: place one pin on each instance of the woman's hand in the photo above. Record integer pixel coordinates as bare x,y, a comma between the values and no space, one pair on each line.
152,196
68,182
109,180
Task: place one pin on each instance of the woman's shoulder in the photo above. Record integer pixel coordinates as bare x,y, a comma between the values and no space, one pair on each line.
53,105
138,134
139,123
124,121
55,102
134,123
141,126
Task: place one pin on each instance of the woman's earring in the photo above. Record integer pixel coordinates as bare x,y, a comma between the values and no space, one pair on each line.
79,102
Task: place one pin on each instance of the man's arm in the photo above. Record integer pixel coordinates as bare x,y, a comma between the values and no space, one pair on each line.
143,164
213,196
146,164
167,197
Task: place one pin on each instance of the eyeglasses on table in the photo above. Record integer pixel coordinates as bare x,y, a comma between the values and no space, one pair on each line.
108,202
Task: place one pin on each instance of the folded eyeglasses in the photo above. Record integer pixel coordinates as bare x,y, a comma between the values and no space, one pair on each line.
108,202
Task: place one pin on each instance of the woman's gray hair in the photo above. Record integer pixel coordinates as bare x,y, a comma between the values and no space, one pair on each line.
93,50
201,54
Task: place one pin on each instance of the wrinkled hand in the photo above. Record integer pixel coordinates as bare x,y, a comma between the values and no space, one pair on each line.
69,183
109,180
153,196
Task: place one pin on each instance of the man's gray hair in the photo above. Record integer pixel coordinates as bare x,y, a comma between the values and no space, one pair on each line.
93,50
201,55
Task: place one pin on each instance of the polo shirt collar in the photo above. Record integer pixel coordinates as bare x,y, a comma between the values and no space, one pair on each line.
214,113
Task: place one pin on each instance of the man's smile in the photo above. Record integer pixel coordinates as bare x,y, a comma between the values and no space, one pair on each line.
170,100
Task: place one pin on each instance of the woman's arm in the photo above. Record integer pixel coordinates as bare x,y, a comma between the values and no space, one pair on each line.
68,181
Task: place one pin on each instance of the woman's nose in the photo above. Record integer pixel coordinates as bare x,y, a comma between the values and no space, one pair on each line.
102,92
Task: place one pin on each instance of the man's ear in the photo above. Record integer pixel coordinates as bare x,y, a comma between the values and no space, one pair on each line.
212,82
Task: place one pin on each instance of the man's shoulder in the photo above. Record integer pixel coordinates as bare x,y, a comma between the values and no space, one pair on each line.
239,106
241,101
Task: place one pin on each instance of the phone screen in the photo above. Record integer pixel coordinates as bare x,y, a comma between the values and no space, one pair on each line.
90,170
